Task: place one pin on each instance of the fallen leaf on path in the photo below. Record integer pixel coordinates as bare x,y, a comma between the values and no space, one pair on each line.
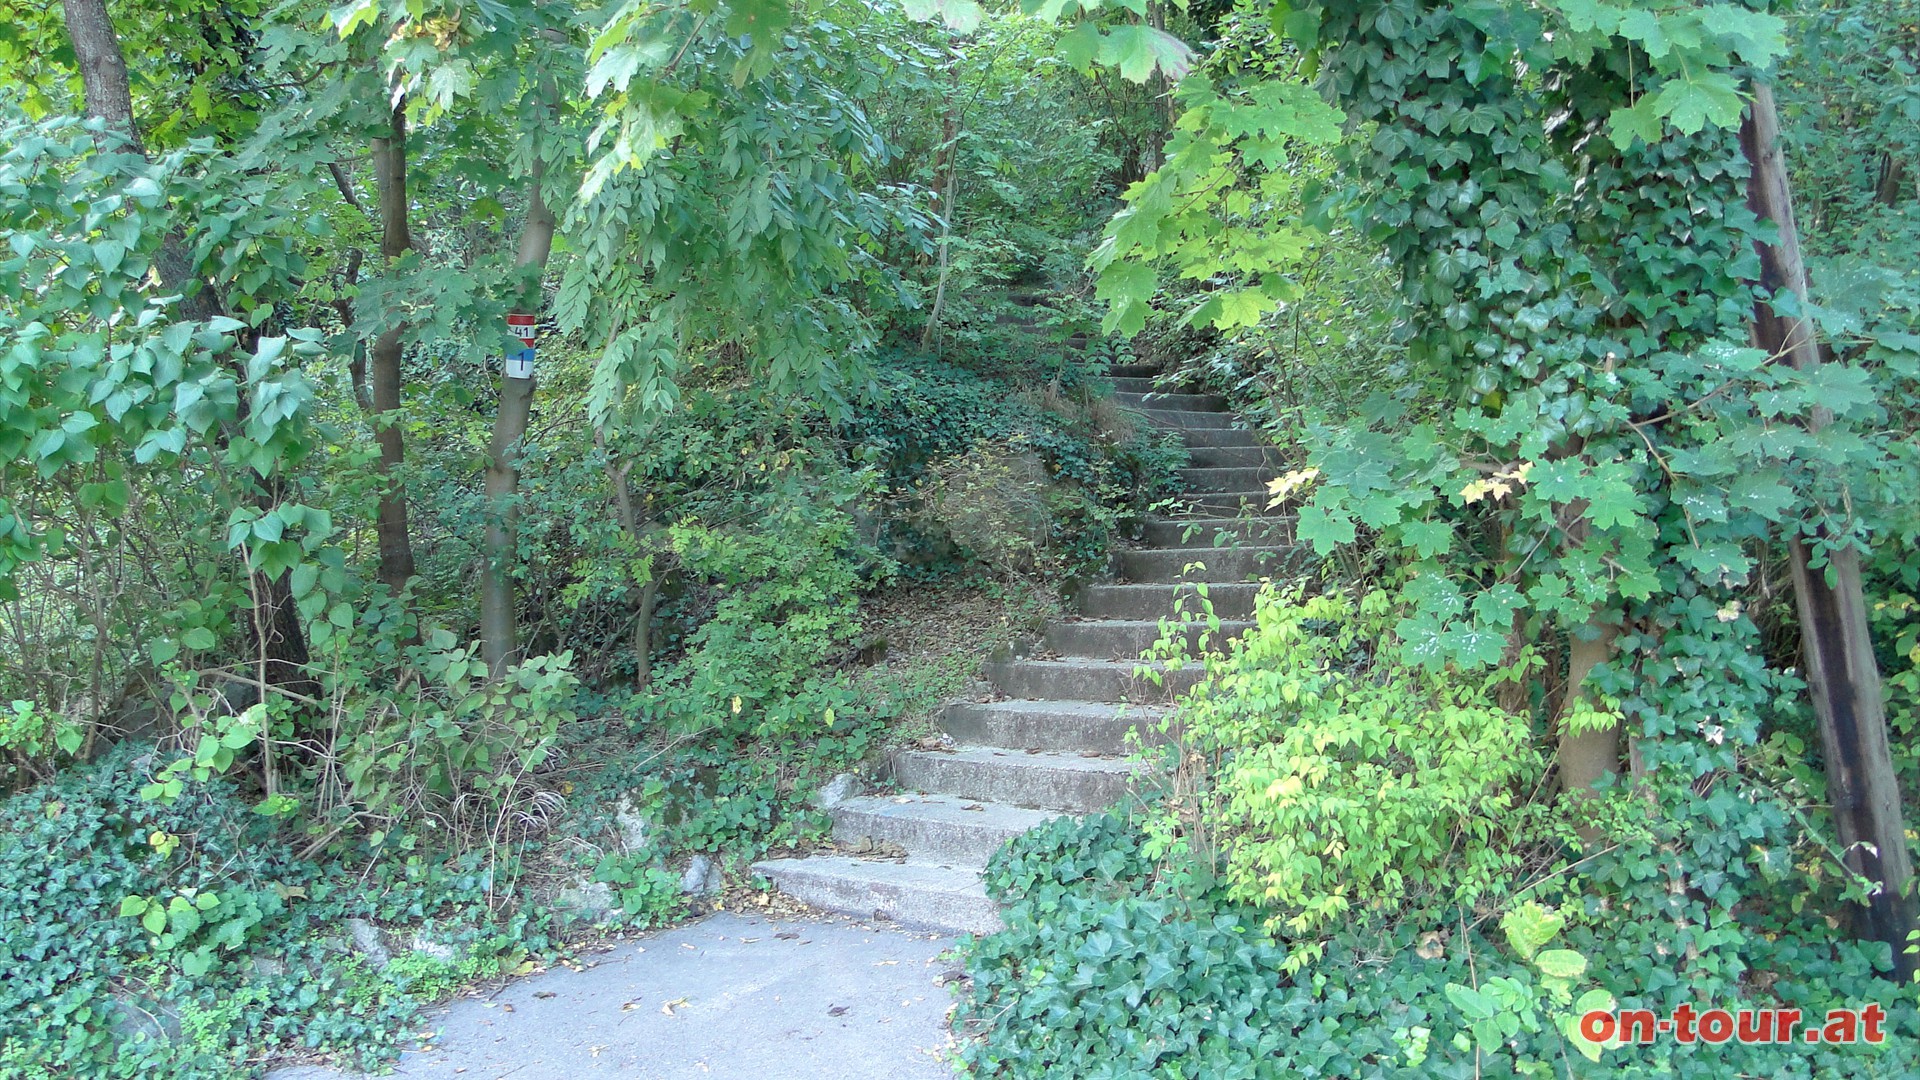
837,1010
787,935
543,994
885,963
668,1007
631,1005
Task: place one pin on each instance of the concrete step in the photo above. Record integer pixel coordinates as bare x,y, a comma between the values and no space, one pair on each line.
1188,419
1216,532
1049,781
1077,726
1157,601
1134,371
1198,437
1253,501
919,895
1236,457
1126,639
1214,564
1086,680
939,828
1162,402
1136,385
1238,478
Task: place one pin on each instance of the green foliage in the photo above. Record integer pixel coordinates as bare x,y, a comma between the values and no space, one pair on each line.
1108,970
184,938
1345,777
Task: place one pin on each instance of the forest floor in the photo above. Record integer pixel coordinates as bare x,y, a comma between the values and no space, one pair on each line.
731,995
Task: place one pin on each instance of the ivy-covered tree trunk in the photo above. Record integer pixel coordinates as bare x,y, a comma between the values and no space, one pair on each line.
390,525
498,631
1842,675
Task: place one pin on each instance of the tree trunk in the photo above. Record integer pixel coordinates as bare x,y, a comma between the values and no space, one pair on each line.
280,642
390,524
1587,757
103,67
498,629
1891,182
950,154
1842,676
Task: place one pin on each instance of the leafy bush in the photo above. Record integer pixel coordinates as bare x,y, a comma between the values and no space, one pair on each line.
1347,777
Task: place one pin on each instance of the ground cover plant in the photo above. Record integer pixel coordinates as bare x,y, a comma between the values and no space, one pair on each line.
463,470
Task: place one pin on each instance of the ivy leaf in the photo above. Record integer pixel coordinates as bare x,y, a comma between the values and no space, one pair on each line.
1138,49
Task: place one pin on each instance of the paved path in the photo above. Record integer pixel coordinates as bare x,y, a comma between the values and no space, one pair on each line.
728,996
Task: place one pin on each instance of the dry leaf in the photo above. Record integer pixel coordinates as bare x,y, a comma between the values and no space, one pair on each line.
668,1007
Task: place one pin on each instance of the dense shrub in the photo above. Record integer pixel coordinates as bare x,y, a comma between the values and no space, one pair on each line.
1344,777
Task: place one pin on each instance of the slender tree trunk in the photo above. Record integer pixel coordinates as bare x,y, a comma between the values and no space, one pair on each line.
384,375
1892,181
951,155
280,641
1842,675
498,618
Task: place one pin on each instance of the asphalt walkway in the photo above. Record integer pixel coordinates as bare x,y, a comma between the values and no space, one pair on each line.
729,996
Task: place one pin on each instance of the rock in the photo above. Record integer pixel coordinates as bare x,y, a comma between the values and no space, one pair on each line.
367,939
424,945
139,1018
588,902
838,790
702,877
267,967
634,826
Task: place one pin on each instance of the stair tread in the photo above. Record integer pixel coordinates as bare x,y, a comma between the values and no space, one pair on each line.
1001,757
947,809
1181,624
1068,707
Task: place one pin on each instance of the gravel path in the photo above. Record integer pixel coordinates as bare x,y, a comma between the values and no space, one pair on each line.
729,996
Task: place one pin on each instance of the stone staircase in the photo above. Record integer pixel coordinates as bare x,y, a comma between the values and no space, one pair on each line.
1054,740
